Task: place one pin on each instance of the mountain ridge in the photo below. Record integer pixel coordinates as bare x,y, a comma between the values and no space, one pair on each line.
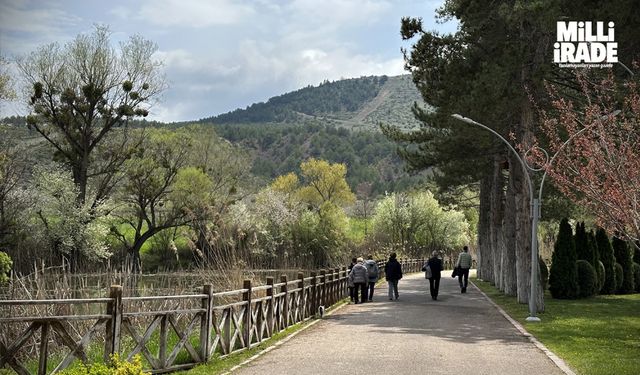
355,103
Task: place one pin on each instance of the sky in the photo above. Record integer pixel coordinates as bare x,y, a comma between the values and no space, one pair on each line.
220,55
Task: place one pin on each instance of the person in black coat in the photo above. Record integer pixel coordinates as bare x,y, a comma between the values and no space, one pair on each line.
435,264
393,273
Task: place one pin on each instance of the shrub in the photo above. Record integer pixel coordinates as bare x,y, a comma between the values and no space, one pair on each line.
5,267
600,272
563,278
544,274
587,279
636,276
619,275
116,367
624,256
608,260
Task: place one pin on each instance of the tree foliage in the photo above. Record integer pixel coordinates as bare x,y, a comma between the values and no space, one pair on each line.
608,260
622,252
81,92
600,167
416,224
563,277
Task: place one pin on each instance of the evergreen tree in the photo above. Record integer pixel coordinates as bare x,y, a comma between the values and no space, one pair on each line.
582,243
623,256
595,258
608,260
563,278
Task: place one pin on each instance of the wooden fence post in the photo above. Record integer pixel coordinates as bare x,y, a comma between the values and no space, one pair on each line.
112,334
302,304
285,308
336,285
322,300
271,309
313,297
206,323
246,296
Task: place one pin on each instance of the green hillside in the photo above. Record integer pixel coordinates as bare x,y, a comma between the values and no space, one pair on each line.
357,103
336,121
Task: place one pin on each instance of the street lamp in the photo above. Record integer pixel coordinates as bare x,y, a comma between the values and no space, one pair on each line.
535,214
534,202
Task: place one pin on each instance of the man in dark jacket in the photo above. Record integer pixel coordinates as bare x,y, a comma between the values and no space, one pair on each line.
435,264
393,273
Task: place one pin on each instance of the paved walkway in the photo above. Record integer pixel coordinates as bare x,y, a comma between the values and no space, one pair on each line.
457,334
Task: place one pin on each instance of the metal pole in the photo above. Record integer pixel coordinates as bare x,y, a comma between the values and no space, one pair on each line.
535,204
535,211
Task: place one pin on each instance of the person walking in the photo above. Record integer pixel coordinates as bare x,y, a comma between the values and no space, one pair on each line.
359,277
435,265
373,271
349,282
393,273
464,264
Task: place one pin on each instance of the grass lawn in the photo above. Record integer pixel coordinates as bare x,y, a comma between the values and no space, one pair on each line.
599,335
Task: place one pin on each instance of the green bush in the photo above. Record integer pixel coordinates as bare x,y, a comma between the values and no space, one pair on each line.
600,271
636,276
624,256
544,274
5,267
587,279
563,277
608,260
116,367
619,274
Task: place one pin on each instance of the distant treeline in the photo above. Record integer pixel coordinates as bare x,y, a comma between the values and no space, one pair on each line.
279,148
347,95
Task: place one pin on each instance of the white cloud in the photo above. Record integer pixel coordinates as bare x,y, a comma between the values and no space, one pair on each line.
194,13
339,12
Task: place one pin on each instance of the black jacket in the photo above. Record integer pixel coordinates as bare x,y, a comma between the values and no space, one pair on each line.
436,266
393,270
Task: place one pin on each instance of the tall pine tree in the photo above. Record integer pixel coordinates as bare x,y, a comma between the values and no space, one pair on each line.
622,252
608,260
563,278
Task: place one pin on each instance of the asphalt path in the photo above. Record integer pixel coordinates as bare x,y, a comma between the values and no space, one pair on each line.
457,334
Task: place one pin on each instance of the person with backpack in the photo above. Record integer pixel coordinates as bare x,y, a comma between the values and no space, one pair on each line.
359,278
393,274
373,271
435,266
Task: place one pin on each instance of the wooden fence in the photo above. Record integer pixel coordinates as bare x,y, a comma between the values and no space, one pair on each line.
170,339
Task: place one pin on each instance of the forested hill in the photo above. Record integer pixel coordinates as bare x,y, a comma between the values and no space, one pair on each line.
357,103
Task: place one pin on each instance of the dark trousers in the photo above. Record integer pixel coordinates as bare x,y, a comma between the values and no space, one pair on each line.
352,292
434,286
372,286
464,272
362,289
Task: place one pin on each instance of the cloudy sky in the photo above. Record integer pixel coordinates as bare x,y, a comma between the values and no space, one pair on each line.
220,55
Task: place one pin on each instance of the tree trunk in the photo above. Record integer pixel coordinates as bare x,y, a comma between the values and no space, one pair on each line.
497,193
484,261
510,281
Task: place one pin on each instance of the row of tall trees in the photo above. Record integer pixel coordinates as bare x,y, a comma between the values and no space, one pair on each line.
494,70
587,263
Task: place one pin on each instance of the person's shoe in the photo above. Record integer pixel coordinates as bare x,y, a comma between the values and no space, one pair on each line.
370,300
390,299
464,289
433,298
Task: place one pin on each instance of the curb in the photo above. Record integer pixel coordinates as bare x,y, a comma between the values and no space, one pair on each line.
556,360
281,342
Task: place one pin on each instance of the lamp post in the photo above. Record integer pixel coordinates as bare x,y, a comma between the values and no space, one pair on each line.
535,216
534,202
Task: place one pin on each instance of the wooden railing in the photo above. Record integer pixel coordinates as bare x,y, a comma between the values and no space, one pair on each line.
171,338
